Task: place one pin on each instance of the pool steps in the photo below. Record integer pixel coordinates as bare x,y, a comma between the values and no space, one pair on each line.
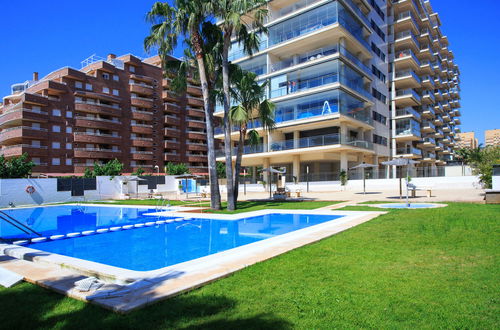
99,231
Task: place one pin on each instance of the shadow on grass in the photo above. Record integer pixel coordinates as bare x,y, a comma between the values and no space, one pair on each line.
29,306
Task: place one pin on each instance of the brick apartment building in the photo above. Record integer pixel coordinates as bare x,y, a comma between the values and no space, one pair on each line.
119,107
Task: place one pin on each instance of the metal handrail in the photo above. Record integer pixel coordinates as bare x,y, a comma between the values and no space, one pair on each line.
19,225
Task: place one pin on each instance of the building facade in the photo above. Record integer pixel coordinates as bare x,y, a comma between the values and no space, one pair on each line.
467,140
492,137
353,81
119,107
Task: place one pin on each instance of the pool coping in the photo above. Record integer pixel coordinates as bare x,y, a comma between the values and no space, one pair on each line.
384,206
175,279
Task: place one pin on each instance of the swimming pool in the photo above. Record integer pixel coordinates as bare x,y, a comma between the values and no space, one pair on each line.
65,219
155,246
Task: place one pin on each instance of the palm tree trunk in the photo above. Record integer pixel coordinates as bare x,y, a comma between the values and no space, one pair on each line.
239,157
215,202
227,125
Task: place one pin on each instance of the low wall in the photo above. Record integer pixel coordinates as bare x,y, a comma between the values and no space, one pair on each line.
46,190
438,183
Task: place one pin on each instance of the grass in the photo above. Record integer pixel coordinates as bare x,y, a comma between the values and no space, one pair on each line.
247,206
432,268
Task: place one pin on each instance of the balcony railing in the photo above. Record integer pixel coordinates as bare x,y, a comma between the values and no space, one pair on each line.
23,146
23,127
408,73
407,111
307,142
97,149
407,92
405,53
408,150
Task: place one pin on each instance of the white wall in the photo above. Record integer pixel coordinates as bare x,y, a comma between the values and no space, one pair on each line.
14,190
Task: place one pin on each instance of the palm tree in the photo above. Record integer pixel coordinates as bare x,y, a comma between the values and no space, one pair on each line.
186,19
253,105
243,19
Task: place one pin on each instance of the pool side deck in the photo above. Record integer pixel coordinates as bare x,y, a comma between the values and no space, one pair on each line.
149,287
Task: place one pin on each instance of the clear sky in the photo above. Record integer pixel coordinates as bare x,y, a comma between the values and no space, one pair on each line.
46,35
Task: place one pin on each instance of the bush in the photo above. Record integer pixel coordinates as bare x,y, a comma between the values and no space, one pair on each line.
139,171
482,164
176,169
15,167
112,168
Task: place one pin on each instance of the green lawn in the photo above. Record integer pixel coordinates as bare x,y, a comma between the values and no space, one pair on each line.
433,268
248,206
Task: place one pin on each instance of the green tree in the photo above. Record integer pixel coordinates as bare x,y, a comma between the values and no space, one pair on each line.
88,173
139,171
15,167
252,105
244,20
482,162
112,168
189,20
176,168
343,178
221,170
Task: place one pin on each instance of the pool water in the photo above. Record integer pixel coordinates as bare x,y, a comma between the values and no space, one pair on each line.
65,219
153,247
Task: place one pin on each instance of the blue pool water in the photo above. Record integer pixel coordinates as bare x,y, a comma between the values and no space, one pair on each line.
149,248
65,219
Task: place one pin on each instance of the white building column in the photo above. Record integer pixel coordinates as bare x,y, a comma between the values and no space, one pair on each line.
375,169
265,173
343,161
296,137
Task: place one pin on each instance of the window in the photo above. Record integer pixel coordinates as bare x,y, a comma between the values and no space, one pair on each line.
378,73
88,87
116,78
380,118
56,161
116,92
69,129
69,146
56,145
377,9
56,112
35,125
69,161
131,68
69,114
105,76
78,84
377,30
56,128
378,51
105,90
379,140
379,96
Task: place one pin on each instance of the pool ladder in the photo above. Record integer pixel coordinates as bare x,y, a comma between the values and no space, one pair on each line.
162,203
18,224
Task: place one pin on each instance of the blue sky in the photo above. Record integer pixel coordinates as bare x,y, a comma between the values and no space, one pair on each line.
45,35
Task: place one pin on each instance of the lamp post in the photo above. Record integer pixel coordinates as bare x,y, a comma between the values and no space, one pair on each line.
157,168
307,177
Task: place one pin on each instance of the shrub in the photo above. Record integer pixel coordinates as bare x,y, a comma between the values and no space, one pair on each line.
176,169
15,167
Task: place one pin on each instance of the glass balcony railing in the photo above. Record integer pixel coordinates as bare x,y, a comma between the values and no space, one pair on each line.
407,111
428,124
429,95
429,140
406,53
406,34
408,150
407,92
407,127
408,73
307,142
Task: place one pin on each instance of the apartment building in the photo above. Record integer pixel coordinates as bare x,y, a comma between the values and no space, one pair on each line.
492,137
353,81
119,107
467,140
425,89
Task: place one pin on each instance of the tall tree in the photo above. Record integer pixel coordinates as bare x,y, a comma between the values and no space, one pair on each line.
244,20
252,105
186,19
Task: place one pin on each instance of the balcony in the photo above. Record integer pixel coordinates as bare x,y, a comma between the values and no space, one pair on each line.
172,120
407,79
406,40
194,90
427,127
98,108
96,153
141,129
195,101
195,158
195,135
171,132
408,112
21,133
196,147
88,137
142,142
100,123
407,98
172,108
428,97
428,82
408,152
141,102
406,21
307,144
427,142
19,149
16,116
171,157
407,130
193,112
142,89
141,155
428,112
405,59
196,124
425,68
142,115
